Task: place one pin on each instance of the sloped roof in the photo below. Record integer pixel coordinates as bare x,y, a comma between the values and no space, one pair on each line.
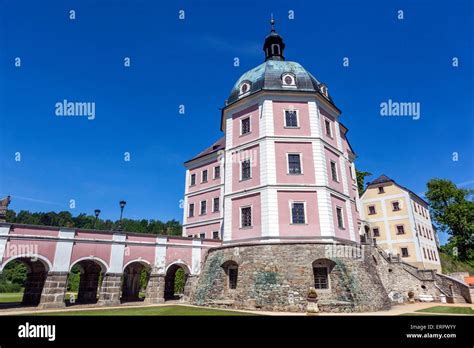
218,145
384,179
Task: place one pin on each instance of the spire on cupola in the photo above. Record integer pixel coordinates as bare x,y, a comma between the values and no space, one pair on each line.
274,45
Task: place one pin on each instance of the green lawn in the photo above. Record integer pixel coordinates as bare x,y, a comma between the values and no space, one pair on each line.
448,310
161,311
7,297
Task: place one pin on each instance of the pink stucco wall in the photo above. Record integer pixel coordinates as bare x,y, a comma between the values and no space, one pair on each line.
311,228
176,253
326,116
279,108
135,252
253,153
306,150
27,248
331,156
247,232
86,250
209,198
253,112
207,229
32,231
340,232
210,176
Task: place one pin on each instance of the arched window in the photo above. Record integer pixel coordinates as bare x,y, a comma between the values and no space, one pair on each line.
244,87
288,79
275,49
231,269
321,271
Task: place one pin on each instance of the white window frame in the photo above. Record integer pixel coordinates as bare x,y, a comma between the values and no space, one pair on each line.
218,234
288,162
202,176
330,128
251,216
284,84
290,203
330,169
213,205
297,119
200,207
220,174
191,179
342,218
249,117
240,168
241,93
189,209
399,205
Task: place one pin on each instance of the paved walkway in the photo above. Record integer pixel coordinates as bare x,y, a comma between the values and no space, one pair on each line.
395,310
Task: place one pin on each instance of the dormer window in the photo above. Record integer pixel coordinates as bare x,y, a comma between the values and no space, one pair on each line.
288,80
244,88
324,90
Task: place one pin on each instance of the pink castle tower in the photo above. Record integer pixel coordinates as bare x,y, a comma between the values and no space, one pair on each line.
284,170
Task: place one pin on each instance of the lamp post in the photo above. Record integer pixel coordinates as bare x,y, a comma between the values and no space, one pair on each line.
97,213
122,205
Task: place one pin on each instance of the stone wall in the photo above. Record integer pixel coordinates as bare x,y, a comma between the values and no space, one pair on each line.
278,276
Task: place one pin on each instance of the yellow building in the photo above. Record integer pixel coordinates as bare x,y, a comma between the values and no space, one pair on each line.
400,222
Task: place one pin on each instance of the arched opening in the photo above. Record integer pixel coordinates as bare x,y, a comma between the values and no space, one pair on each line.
134,282
231,269
84,280
22,281
175,281
322,269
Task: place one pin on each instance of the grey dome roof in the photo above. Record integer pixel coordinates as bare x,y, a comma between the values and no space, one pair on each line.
267,76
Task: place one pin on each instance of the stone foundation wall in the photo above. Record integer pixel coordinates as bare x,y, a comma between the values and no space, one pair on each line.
155,290
54,290
109,294
278,276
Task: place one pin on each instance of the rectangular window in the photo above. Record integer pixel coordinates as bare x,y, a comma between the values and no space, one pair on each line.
404,252
246,174
395,206
232,277
291,118
191,210
328,128
193,179
297,213
381,189
245,126
215,235
294,164
376,232
321,280
372,210
400,229
204,176
334,171
424,253
216,204
246,216
416,210
217,172
202,235
340,219
203,207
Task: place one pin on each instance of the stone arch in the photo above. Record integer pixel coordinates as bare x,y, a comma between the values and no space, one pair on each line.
231,269
91,272
37,270
131,280
322,270
170,277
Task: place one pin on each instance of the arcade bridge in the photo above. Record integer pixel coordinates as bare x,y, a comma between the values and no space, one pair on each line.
110,263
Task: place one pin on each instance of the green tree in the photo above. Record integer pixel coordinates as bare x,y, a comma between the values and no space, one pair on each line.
453,212
361,179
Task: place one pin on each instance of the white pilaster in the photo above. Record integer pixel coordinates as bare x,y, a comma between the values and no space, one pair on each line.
160,255
350,220
342,165
269,211
227,233
416,240
117,252
326,220
4,232
320,166
338,136
62,256
266,119
196,257
314,121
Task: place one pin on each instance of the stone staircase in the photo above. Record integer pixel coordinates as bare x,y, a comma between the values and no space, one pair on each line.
454,290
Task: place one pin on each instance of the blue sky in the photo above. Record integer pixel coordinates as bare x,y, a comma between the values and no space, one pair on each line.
190,62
